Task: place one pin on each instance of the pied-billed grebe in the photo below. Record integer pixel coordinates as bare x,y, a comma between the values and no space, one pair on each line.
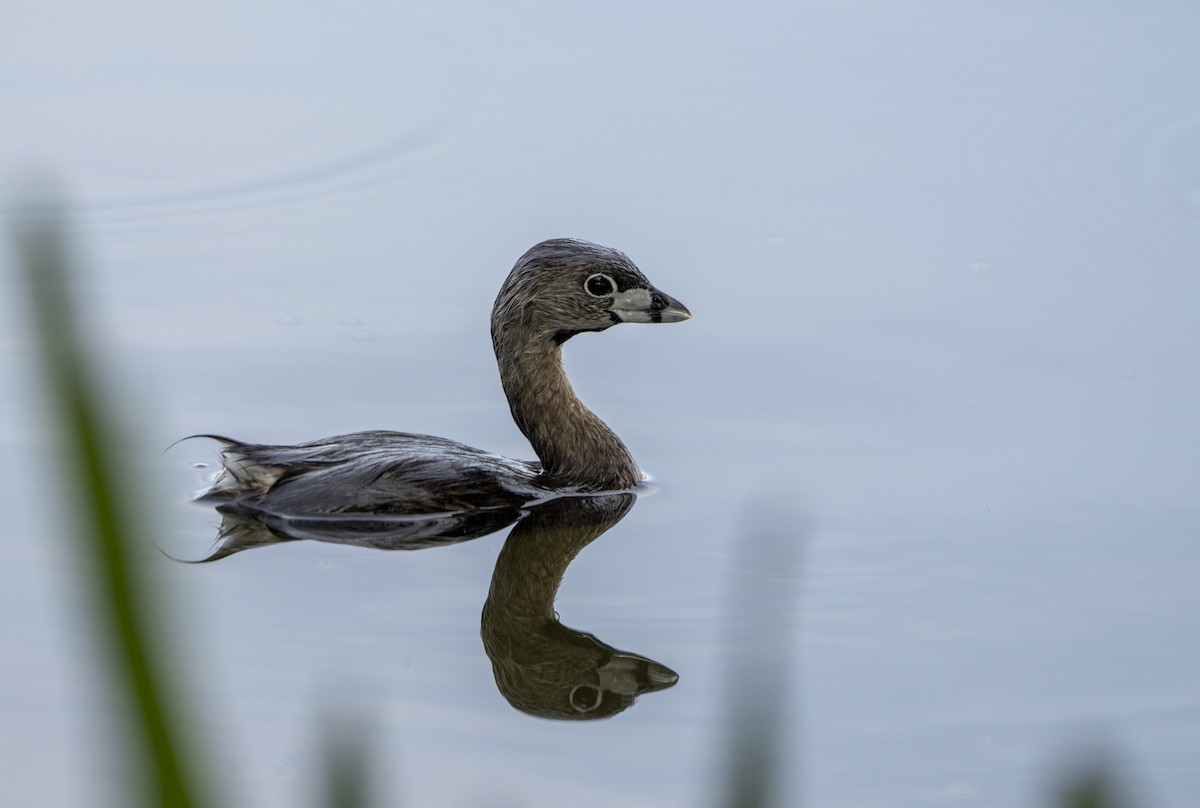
557,289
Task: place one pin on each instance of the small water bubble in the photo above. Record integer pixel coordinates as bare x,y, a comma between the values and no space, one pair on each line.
199,466
981,268
363,336
288,320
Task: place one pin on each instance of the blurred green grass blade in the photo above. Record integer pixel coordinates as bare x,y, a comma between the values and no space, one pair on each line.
764,596
347,741
105,521
1092,787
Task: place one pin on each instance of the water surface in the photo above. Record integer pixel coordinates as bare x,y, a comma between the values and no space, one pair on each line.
942,266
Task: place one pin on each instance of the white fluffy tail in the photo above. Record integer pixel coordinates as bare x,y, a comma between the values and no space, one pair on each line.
241,473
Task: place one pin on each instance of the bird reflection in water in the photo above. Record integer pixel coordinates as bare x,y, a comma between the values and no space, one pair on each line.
542,667
403,490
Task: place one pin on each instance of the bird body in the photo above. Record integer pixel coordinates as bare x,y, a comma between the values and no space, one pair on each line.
557,289
375,472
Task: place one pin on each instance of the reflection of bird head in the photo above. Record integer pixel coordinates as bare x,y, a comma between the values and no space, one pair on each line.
542,667
557,672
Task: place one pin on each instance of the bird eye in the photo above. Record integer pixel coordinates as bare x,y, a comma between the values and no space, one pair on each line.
599,285
585,698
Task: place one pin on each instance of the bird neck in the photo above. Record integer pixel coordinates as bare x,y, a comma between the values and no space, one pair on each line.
536,554
575,446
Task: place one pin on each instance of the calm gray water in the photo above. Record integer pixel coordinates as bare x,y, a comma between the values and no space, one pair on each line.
943,265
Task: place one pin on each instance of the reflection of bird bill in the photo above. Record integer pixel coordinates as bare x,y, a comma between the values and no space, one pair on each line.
629,675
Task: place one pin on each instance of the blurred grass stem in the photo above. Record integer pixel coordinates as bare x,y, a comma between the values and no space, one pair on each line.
105,519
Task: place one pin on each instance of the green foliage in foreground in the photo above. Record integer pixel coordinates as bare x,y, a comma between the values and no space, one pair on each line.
105,526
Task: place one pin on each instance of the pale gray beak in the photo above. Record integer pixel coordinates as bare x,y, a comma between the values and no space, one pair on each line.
648,306
630,675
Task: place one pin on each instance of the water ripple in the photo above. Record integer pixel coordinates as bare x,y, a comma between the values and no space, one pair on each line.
317,182
1119,168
